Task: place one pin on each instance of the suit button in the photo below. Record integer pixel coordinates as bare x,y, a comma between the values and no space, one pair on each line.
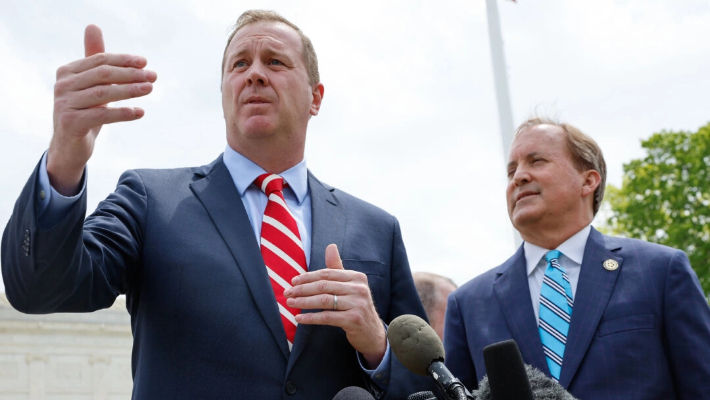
290,387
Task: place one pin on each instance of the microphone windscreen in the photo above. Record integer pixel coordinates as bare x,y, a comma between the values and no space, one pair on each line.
422,396
353,393
415,343
507,377
543,387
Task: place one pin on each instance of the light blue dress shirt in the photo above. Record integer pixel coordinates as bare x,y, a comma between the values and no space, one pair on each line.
297,195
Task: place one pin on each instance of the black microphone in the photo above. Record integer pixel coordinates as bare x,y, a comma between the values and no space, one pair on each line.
353,393
422,396
419,349
509,379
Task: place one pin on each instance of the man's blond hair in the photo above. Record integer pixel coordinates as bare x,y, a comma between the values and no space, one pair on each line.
253,16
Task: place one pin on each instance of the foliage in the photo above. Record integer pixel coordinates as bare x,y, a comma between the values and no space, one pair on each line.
665,197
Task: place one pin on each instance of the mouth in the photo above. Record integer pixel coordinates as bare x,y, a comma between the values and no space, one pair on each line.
526,194
257,100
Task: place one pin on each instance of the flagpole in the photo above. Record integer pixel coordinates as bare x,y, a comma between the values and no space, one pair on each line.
500,78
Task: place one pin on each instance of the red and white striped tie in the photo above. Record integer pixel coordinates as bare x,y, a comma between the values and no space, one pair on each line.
281,248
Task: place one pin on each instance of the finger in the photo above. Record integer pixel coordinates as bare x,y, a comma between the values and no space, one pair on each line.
116,60
102,75
332,318
320,287
320,302
93,41
332,262
332,257
104,94
83,120
327,274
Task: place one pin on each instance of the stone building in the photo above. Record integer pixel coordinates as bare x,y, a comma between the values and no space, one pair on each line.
65,356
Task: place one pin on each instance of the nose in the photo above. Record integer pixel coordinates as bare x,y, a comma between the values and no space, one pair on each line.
521,176
256,75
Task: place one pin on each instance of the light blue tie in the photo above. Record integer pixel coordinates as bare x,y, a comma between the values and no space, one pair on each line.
555,312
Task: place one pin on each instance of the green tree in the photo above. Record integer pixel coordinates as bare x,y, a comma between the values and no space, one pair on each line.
665,197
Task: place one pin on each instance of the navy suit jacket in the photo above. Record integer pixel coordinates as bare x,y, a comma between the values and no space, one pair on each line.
205,322
639,332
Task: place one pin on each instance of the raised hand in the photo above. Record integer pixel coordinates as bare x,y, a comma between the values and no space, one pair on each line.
83,90
355,311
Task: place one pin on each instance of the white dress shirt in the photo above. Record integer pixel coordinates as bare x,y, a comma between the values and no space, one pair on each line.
572,251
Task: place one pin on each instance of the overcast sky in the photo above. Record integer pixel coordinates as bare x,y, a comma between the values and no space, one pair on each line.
409,119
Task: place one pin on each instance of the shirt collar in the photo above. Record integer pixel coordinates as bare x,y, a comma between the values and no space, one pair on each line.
572,248
244,172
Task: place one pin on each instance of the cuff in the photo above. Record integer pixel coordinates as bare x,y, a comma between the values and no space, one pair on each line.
52,206
380,376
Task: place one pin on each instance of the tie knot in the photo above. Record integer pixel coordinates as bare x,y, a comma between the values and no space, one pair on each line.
552,255
269,183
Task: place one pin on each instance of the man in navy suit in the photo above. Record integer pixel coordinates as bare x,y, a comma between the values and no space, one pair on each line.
183,245
639,326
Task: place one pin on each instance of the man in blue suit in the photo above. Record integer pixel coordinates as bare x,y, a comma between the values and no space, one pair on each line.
610,318
209,319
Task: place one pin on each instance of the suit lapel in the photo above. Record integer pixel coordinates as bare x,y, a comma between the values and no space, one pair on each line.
328,221
327,226
591,298
513,294
220,197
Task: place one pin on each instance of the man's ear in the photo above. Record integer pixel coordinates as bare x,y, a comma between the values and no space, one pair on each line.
318,91
592,180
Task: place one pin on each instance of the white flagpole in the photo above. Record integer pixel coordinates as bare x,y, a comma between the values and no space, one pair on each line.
505,112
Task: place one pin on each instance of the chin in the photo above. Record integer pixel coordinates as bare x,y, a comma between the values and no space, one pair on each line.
522,218
258,128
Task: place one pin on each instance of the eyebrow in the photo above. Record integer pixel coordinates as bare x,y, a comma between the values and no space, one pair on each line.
269,53
527,156
236,55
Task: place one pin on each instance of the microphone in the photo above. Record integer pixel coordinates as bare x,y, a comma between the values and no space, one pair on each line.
422,396
419,349
509,379
353,393
506,372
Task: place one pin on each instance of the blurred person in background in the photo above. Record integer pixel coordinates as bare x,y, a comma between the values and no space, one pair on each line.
434,291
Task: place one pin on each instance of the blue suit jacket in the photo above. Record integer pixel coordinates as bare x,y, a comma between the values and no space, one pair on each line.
639,332
205,321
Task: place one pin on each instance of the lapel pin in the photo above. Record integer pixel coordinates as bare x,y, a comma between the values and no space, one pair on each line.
611,265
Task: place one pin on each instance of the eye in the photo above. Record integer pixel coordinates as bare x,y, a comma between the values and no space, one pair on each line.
240,64
275,62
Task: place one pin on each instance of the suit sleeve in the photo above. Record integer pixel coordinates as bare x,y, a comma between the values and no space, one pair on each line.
458,354
403,300
75,265
687,329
